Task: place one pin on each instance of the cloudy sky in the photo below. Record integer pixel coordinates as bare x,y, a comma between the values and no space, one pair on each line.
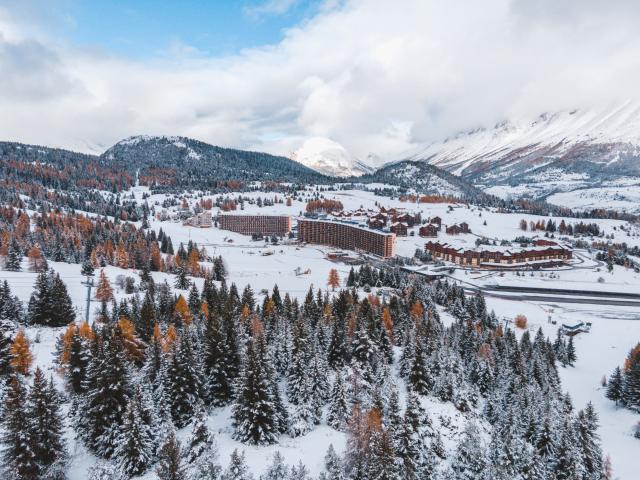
380,77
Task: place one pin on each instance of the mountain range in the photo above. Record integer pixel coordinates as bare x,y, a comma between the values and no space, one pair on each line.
579,158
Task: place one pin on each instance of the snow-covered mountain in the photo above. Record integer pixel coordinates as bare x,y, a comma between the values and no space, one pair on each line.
554,153
329,157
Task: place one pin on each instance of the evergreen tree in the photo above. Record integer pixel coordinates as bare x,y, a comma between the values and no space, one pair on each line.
61,310
14,257
200,440
218,389
183,381
5,355
182,282
338,406
147,319
136,445
43,409
589,443
332,466
78,365
87,268
299,472
614,386
108,388
469,461
412,449
571,352
255,418
170,465
237,469
106,471
277,470
19,456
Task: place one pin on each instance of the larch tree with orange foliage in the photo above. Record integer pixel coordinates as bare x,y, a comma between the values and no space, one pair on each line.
37,262
182,311
104,292
387,322
334,279
417,311
21,356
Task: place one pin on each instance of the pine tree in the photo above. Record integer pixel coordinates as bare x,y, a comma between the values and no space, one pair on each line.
47,425
5,355
108,388
136,445
277,470
411,445
469,461
106,471
147,319
255,418
18,455
299,472
87,268
182,282
589,443
14,257
40,301
218,385
183,381
332,466
170,465
200,440
614,386
61,311
571,352
237,469
338,406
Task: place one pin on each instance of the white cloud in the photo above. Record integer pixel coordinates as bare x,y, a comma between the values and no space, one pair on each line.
270,7
377,79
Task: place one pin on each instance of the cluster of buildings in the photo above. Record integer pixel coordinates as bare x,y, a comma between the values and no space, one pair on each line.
376,233
543,253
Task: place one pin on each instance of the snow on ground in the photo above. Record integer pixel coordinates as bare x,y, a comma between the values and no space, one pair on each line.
614,331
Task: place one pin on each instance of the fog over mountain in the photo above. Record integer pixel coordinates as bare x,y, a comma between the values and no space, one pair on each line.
380,82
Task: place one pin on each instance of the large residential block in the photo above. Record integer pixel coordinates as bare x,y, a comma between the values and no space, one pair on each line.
501,257
279,225
348,236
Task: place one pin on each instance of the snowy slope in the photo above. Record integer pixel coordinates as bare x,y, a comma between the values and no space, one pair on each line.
559,152
329,157
534,143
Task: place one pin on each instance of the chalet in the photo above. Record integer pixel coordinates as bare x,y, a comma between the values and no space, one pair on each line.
399,228
437,221
429,230
407,218
458,229
376,223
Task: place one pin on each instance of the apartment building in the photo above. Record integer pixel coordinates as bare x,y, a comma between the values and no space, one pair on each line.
345,235
279,225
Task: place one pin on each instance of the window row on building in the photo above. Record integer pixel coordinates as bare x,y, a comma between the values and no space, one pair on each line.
279,225
347,236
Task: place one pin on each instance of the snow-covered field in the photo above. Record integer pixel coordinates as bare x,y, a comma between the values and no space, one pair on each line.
615,329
